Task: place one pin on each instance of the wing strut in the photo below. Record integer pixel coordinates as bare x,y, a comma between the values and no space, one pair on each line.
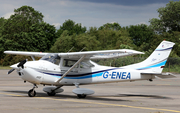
71,68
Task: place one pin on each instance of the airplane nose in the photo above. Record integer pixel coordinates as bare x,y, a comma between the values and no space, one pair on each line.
20,64
14,66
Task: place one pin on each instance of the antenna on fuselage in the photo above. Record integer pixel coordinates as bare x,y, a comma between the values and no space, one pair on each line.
82,49
70,49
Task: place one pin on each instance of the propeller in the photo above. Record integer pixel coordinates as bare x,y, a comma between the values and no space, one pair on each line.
10,71
21,64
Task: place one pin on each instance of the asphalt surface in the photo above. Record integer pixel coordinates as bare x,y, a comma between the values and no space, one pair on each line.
159,96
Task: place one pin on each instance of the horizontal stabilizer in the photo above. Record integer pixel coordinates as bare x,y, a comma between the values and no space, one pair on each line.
161,75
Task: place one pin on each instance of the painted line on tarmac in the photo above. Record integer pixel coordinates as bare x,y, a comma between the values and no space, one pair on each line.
11,94
97,103
115,105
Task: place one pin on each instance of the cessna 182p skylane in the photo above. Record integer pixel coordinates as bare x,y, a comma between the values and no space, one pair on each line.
76,68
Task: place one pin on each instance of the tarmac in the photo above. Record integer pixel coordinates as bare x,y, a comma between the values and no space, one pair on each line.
159,96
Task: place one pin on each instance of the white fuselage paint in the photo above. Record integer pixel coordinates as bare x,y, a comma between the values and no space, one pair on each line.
44,72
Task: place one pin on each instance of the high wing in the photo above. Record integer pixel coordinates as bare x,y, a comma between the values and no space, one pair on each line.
105,54
37,54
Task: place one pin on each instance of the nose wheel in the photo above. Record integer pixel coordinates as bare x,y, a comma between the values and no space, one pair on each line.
32,92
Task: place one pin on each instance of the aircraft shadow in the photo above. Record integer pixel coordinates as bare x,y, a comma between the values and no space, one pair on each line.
64,96
93,97
141,95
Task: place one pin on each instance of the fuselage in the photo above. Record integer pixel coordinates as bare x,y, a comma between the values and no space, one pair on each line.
47,73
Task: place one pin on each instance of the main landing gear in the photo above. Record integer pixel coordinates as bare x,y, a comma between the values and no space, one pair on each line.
81,96
32,92
82,92
52,90
51,93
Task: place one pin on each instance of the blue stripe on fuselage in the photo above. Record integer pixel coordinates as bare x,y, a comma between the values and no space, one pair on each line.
80,76
156,65
84,77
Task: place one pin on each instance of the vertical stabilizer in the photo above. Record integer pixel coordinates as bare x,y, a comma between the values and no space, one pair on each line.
157,60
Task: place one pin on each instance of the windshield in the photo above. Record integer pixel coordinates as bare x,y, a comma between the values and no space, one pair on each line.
52,57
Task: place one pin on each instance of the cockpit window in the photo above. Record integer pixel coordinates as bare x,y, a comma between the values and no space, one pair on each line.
54,58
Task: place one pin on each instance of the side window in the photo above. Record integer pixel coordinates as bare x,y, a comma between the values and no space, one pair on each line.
86,65
69,63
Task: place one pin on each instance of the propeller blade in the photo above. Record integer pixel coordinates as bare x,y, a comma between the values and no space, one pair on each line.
10,71
21,64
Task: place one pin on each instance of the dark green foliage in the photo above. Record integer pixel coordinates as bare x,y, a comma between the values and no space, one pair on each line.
64,43
93,39
26,31
140,34
71,27
172,65
169,19
111,26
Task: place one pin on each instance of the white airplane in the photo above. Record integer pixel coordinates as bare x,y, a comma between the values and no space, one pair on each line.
76,68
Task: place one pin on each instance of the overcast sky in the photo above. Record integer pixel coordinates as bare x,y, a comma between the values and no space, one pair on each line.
90,13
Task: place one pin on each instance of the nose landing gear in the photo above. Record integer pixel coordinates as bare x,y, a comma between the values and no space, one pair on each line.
32,92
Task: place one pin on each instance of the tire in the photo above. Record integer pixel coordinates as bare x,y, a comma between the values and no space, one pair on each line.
31,93
51,94
81,96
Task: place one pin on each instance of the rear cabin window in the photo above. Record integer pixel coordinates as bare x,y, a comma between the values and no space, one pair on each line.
69,63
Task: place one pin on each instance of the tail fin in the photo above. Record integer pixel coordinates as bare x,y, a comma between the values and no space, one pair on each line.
157,60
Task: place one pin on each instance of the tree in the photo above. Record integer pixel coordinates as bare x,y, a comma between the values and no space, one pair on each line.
2,21
111,39
22,19
111,26
71,27
26,31
169,19
90,42
64,43
140,34
41,36
28,13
